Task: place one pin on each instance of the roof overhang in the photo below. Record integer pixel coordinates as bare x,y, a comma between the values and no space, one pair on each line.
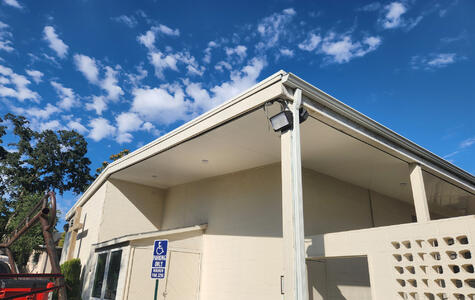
321,105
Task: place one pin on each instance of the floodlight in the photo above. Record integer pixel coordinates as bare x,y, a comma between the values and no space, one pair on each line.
282,121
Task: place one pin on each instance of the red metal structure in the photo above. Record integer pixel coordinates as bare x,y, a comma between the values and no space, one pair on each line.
44,212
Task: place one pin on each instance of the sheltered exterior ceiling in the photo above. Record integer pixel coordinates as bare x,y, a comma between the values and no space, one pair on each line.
235,136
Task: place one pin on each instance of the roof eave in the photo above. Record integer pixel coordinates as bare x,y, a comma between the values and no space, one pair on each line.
426,157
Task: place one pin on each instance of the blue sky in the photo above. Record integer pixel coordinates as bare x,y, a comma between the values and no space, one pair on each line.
125,72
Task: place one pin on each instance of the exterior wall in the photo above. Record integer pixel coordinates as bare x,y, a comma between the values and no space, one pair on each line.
139,285
42,266
91,216
242,247
137,206
242,250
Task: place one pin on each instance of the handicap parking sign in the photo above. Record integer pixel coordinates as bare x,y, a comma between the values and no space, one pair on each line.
159,260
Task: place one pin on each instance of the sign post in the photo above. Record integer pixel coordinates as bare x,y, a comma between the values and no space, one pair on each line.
159,262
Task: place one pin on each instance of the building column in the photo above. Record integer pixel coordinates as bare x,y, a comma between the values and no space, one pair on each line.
74,233
295,270
419,193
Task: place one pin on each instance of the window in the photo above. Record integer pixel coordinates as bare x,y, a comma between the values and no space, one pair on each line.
36,258
106,276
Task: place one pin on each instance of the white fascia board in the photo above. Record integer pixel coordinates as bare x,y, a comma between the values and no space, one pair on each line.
268,89
150,234
363,125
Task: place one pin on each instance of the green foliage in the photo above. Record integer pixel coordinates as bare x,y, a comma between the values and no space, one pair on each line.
113,157
31,164
72,272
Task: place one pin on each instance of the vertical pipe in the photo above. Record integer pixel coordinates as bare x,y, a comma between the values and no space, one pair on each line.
295,271
299,235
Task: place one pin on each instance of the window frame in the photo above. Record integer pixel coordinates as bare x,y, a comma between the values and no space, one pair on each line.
122,271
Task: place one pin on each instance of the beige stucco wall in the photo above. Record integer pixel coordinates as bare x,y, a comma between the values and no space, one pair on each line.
130,208
242,245
91,216
42,266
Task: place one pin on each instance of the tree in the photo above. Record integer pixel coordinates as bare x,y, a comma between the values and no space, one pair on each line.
33,163
113,158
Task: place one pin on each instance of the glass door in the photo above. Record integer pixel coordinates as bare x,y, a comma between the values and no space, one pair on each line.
106,276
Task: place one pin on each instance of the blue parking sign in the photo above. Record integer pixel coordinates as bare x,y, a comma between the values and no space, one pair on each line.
159,261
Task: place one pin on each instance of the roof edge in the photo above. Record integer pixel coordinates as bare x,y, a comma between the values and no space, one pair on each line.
104,175
346,111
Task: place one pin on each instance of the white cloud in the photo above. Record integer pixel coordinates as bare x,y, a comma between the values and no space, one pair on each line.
370,7
393,17
77,126
222,65
147,39
342,49
37,113
273,27
442,60
166,30
160,105
35,75
394,11
163,61
287,52
98,104
55,42
310,43
67,96
239,81
434,61
239,51
135,79
207,51
5,35
461,148
100,129
128,121
467,143
50,125
87,66
128,21
109,84
18,86
13,3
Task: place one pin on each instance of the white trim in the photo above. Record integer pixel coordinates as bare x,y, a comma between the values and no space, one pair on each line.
150,234
343,114
122,273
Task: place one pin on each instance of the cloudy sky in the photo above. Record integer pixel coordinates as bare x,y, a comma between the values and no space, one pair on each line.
123,73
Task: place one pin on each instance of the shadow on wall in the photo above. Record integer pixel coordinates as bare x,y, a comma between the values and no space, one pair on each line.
140,196
339,279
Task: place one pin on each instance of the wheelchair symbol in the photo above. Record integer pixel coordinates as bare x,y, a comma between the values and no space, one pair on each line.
159,250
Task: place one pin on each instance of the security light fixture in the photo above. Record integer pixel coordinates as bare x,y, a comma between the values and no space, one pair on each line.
282,121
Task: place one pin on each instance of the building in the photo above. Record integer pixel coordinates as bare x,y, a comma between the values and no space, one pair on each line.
336,207
39,262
